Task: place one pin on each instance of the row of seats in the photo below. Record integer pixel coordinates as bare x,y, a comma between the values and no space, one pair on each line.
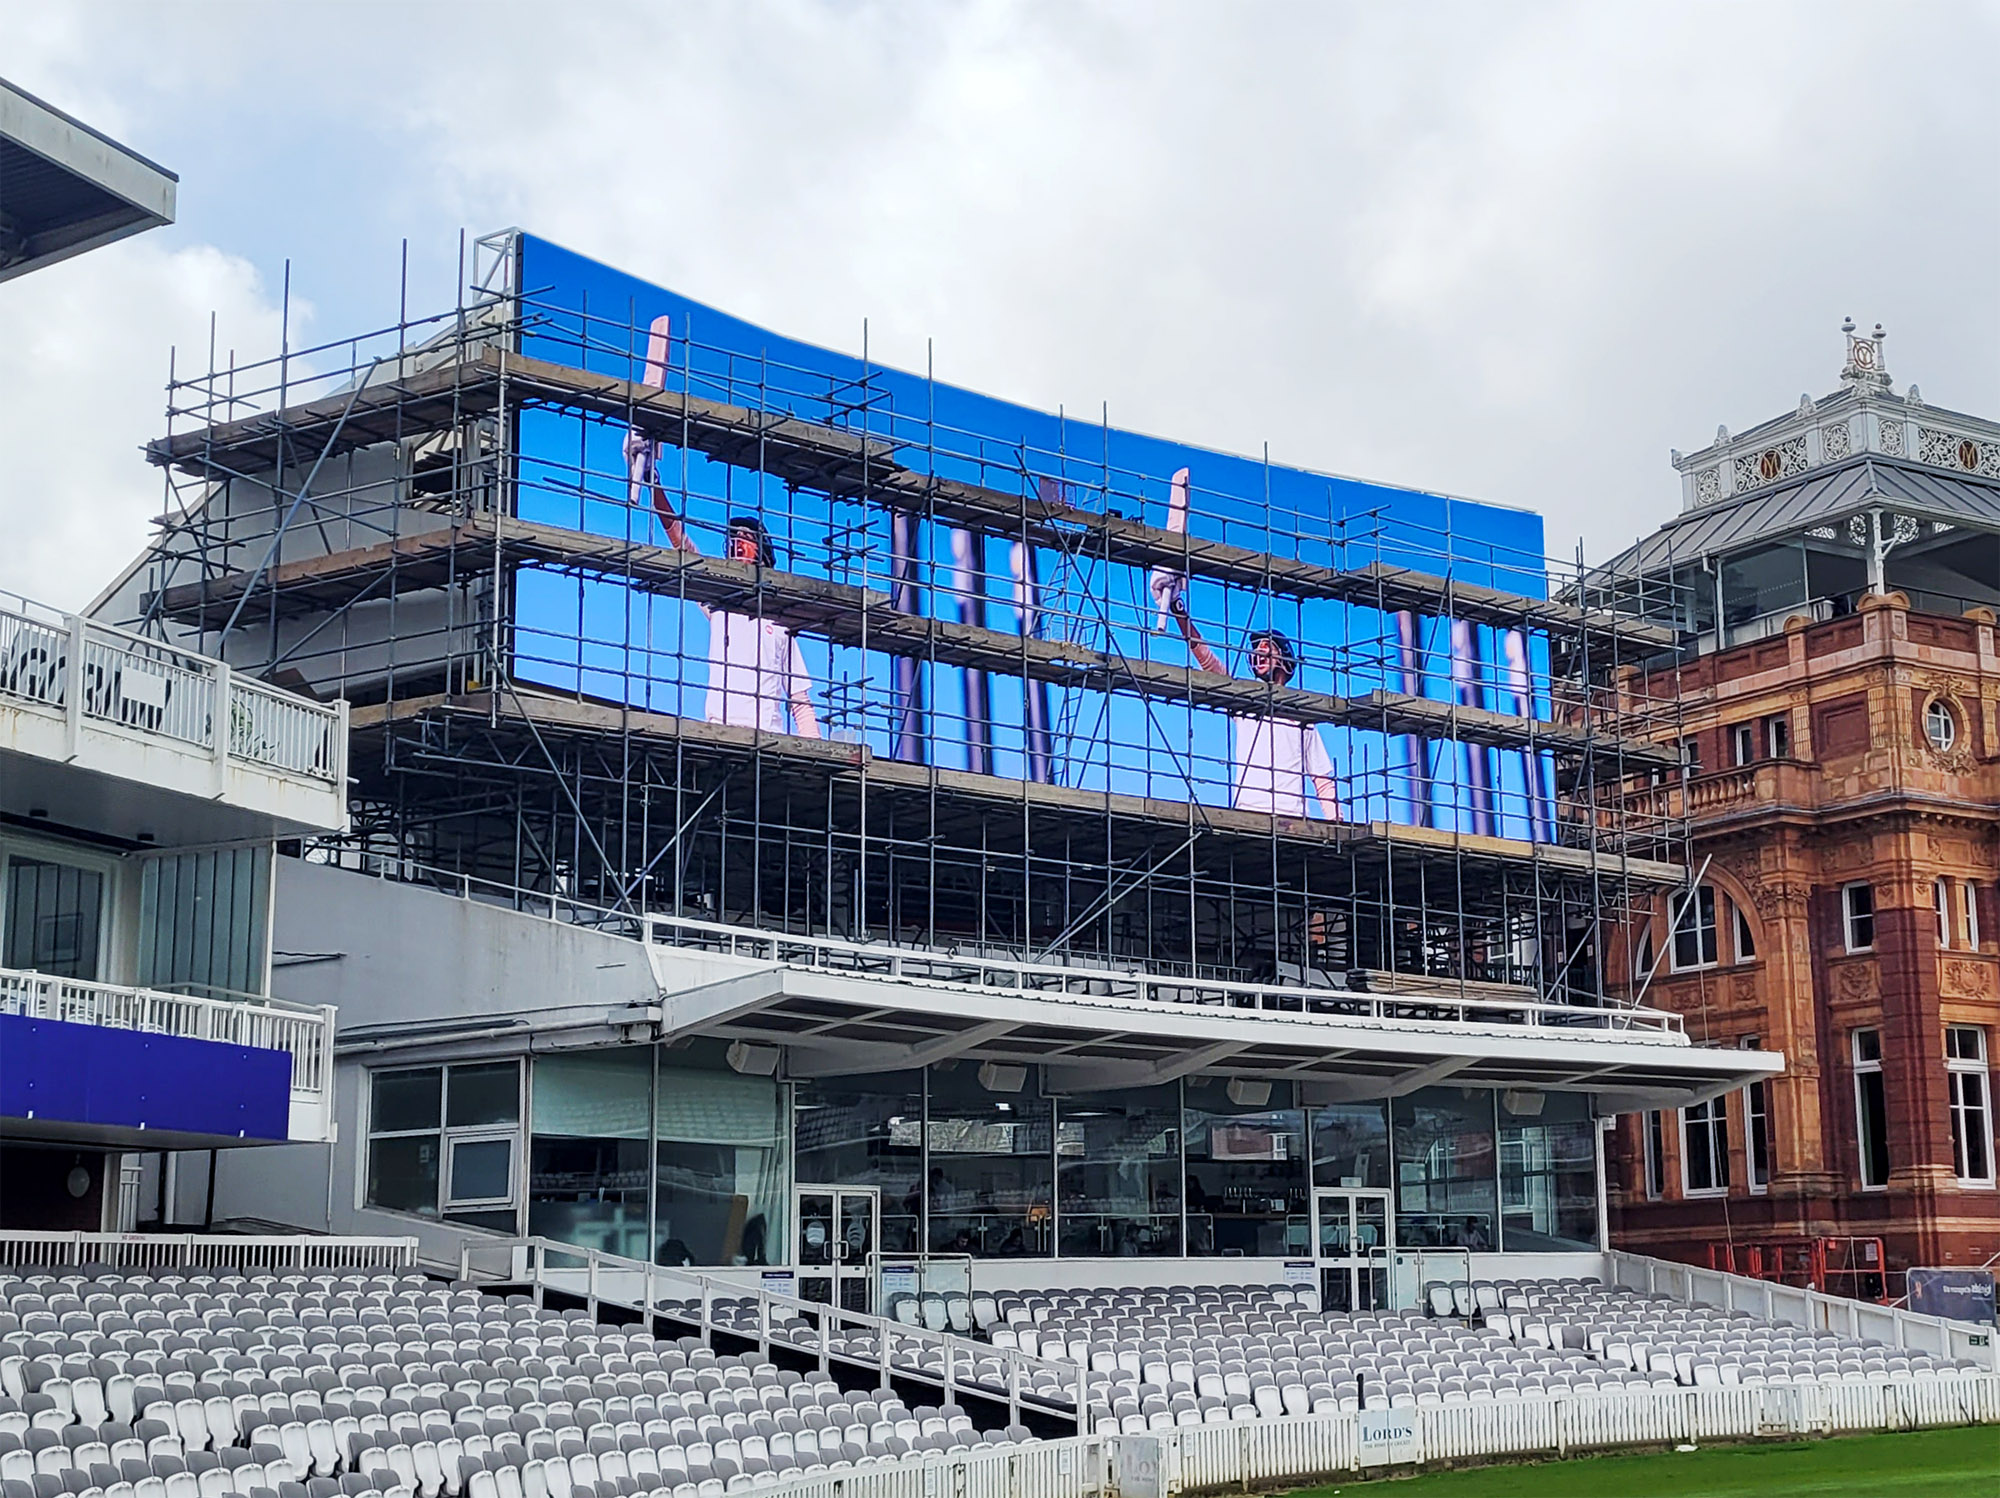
1672,1341
1154,1360
1171,1302
858,1342
207,1386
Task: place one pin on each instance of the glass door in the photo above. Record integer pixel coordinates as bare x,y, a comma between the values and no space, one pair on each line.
1352,1240
837,1230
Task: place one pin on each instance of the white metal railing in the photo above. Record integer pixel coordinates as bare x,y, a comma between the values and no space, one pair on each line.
1057,981
104,677
303,1032
786,1320
1040,979
161,1251
1792,1305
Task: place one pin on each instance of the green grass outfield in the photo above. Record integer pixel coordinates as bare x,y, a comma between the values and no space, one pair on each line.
1955,1463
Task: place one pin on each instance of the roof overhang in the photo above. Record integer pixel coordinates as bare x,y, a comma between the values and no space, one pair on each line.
1794,509
64,188
833,1024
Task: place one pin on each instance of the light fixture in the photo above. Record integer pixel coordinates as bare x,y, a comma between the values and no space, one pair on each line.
1523,1102
996,1076
1245,1093
752,1060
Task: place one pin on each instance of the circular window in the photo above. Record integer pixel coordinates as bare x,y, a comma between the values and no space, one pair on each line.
1940,725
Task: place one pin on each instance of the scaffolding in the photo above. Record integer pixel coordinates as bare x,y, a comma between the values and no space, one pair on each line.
471,525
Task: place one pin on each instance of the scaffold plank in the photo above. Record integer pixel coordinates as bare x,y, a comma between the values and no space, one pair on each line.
867,618
854,465
822,757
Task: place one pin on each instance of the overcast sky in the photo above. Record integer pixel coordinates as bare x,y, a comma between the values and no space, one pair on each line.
1510,251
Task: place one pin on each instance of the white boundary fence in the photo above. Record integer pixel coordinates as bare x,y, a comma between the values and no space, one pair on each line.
1248,1455
202,1251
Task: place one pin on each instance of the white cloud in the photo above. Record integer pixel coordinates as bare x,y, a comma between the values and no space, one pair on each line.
1513,252
82,389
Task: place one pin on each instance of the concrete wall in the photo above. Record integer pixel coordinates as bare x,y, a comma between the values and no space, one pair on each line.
384,952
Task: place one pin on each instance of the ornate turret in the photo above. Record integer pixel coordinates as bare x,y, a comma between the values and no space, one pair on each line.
1863,416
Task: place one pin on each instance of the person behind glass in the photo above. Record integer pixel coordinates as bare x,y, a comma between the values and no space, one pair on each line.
1271,758
755,667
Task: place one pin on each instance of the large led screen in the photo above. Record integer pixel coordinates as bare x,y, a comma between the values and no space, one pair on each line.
1003,590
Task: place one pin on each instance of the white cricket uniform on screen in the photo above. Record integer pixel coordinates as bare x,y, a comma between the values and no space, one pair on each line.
1273,757
755,668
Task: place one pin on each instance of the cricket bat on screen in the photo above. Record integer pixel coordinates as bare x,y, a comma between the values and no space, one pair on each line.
1165,584
642,454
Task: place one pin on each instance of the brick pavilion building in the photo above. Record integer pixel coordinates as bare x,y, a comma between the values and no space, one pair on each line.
1836,573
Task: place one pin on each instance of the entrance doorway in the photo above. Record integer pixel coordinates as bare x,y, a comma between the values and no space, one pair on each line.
1353,1234
837,1230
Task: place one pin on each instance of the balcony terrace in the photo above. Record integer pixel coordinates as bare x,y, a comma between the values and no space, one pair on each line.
120,736
103,1063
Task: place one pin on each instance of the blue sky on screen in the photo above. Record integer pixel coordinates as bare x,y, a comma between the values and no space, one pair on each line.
623,644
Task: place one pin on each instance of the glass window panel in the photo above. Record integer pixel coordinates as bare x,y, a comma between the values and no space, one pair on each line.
867,1131
1874,1121
1548,1172
587,1160
590,1192
1118,1169
1351,1145
1705,1145
1694,929
1757,1134
991,1184
403,1174
486,1094
405,1100
1246,1172
1656,1156
482,1170
53,913
721,1168
1858,904
1446,1192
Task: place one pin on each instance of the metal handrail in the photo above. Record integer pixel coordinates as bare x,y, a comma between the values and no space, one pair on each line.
304,1032
111,678
957,1353
1404,1009
1055,980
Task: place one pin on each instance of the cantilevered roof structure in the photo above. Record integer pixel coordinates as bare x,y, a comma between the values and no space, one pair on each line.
66,188
1825,501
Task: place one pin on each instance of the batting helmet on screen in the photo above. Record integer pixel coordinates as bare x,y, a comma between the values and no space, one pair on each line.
751,526
1288,658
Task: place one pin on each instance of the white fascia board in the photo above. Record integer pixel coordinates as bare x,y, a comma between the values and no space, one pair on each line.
84,153
740,997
